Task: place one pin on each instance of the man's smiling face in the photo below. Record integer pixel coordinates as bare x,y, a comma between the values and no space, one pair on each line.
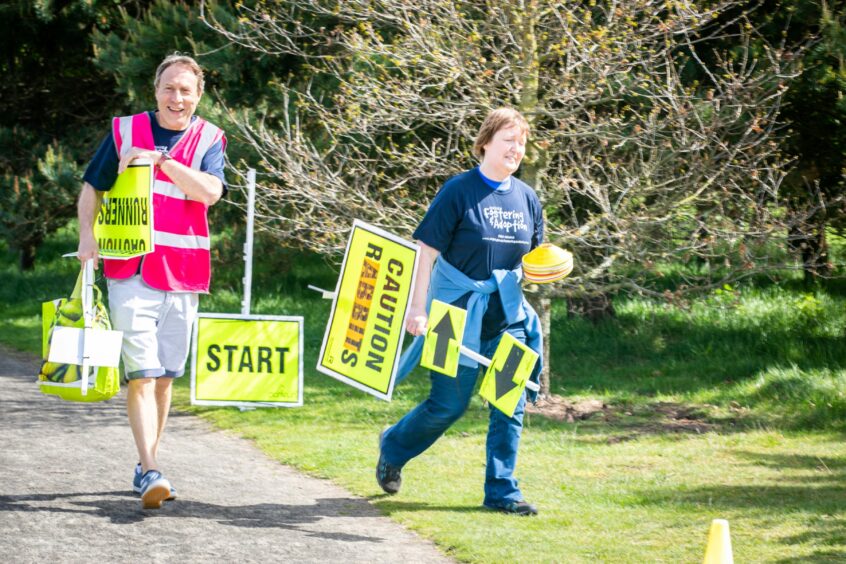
177,96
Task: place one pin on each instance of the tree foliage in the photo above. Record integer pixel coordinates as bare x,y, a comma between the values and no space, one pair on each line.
815,112
51,100
234,78
650,147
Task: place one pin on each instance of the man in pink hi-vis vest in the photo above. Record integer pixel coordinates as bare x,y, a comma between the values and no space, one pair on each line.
153,299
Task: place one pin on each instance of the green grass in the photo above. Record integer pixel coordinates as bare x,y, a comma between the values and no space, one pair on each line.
730,407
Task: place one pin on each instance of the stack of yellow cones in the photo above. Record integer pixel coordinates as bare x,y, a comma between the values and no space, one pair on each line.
718,550
547,263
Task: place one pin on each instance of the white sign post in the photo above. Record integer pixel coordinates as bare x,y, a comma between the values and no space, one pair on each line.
248,244
88,346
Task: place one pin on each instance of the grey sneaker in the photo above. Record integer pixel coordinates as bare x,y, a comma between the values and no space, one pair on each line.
136,484
154,489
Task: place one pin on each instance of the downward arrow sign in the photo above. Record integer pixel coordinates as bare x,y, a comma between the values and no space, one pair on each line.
505,376
444,333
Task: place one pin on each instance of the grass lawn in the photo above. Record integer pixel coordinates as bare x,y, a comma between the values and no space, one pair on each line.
730,407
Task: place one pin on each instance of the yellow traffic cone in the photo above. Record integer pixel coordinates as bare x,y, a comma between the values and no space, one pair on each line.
718,550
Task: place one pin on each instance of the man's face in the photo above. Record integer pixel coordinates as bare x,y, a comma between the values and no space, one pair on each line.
177,96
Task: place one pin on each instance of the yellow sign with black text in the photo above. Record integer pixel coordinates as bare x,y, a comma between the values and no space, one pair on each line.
247,360
506,377
363,338
124,226
442,347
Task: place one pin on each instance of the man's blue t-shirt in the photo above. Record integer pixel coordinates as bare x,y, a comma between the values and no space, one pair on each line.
102,170
478,230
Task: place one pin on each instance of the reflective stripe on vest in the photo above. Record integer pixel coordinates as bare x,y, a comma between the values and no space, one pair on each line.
181,241
181,259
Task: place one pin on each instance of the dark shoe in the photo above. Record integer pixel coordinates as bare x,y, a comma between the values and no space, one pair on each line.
388,477
516,508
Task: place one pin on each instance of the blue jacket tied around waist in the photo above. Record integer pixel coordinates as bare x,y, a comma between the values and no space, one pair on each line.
448,284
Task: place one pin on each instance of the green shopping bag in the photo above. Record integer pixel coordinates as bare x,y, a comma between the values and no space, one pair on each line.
77,335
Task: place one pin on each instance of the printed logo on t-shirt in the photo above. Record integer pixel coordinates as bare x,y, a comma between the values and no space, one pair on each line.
505,220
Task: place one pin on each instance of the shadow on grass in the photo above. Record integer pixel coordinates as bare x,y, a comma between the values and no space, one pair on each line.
828,532
813,487
388,506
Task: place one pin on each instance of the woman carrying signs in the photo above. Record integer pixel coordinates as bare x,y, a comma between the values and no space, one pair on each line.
475,233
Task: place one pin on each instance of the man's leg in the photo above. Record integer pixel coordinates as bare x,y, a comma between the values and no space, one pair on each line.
136,310
143,412
163,394
173,338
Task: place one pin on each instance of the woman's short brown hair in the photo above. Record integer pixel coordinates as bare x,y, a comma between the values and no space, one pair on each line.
496,120
180,59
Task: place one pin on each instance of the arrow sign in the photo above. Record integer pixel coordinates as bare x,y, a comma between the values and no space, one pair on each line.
444,334
443,338
508,374
505,377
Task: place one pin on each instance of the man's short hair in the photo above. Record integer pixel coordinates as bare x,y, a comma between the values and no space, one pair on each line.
180,59
498,119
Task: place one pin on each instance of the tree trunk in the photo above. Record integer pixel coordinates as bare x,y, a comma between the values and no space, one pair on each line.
523,19
543,307
814,247
27,255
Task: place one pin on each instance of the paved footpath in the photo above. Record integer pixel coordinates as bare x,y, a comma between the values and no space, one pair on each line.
65,495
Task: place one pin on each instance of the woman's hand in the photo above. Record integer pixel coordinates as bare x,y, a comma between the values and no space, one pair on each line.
417,321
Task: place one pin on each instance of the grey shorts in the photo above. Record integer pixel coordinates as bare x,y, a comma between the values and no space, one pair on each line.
156,327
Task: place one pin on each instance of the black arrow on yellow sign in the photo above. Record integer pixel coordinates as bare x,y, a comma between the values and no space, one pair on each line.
505,376
444,333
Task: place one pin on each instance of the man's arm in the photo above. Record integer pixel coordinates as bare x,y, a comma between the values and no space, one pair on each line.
200,186
88,206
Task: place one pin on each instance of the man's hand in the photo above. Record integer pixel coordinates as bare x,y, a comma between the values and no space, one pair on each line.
88,249
87,209
197,185
137,153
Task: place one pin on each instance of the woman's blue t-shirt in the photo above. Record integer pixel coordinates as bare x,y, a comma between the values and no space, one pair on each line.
478,230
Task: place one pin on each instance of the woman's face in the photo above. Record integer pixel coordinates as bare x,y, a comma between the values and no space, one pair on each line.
505,150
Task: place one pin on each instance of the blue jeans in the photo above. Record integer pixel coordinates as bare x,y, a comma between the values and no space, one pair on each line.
448,400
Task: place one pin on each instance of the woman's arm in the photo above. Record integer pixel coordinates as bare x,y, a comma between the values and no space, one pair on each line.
417,320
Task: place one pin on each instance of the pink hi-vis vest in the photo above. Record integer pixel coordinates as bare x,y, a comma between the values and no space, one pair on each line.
181,261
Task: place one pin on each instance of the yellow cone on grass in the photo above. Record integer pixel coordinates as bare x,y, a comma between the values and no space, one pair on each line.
718,550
